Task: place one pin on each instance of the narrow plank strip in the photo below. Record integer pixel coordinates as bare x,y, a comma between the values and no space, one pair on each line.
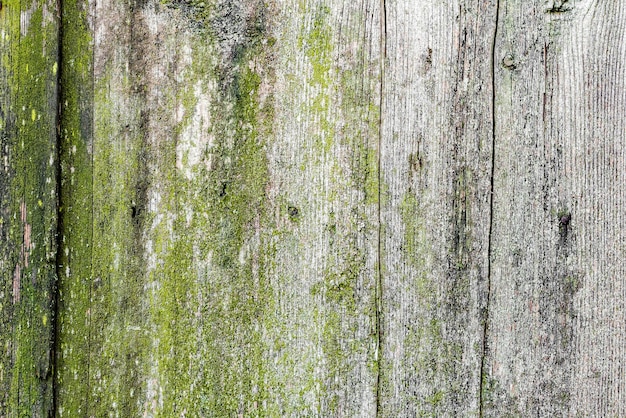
28,220
436,161
74,255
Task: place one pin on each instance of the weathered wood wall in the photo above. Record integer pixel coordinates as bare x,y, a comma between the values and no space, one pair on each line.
312,208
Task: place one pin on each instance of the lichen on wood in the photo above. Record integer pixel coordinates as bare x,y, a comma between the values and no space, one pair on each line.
28,219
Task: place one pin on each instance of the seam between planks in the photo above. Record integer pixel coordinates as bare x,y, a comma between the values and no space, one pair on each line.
379,284
485,316
59,225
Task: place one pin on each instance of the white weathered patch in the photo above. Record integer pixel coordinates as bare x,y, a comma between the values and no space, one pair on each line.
154,21
195,138
25,16
243,252
47,14
116,257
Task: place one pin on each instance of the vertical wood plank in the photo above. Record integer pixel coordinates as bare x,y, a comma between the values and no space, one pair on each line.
556,317
436,161
28,205
231,266
75,252
324,184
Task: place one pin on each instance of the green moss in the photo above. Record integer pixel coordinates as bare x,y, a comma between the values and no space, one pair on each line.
315,39
75,253
214,299
28,209
119,320
318,47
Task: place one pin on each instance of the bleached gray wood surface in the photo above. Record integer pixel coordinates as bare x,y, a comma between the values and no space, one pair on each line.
436,159
556,317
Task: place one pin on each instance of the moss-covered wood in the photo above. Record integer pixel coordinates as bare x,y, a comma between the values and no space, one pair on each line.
311,208
226,260
28,205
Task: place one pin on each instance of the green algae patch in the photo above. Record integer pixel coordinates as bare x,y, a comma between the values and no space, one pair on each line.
315,40
236,309
213,298
317,46
74,256
29,208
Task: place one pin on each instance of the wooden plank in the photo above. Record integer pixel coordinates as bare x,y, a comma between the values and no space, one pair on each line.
323,164
75,211
556,329
28,205
230,268
436,162
238,235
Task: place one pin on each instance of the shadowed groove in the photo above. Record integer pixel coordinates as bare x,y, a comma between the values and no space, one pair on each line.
485,318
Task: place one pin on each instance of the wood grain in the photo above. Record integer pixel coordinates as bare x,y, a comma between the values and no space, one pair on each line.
312,208
227,261
555,329
324,162
436,153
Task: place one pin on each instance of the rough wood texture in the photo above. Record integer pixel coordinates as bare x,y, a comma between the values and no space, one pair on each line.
556,330
75,232
323,161
436,157
227,259
312,208
28,205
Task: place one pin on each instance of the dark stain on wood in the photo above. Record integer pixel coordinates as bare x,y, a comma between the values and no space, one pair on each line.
559,6
293,212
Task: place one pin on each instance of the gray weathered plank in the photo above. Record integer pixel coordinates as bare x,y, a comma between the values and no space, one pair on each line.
324,162
436,159
556,328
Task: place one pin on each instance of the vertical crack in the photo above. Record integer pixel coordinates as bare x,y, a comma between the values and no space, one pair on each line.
379,283
59,220
485,316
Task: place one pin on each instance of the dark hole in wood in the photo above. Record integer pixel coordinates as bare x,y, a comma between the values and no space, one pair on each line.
223,187
294,212
564,221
